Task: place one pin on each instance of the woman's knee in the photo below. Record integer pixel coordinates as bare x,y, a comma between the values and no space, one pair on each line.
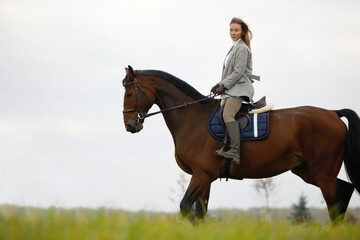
232,106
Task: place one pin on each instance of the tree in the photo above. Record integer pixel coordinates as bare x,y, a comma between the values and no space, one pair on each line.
178,193
265,187
301,212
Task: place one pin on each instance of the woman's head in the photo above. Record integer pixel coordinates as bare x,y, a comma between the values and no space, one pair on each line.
239,29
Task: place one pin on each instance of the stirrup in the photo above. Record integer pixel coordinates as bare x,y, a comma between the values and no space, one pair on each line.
236,162
219,152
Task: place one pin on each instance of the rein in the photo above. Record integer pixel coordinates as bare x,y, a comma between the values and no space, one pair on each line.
179,106
142,115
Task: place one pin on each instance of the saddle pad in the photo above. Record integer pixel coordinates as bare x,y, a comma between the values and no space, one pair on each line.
258,128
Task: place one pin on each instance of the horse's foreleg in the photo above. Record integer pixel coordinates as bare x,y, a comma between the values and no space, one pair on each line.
198,191
201,203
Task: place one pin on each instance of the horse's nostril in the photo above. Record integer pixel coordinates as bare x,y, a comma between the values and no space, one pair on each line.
133,126
128,127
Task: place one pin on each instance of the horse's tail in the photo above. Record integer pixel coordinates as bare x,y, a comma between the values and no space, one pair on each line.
352,149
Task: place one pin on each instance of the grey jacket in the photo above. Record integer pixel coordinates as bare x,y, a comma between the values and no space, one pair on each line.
237,74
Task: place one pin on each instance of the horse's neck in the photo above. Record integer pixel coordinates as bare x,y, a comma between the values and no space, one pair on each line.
169,96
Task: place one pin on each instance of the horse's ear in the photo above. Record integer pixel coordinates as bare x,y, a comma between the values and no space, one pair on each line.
130,72
131,69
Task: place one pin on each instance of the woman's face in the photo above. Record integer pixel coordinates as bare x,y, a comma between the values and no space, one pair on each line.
235,31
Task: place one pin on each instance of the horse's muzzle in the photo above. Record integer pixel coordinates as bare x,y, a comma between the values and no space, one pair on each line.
133,126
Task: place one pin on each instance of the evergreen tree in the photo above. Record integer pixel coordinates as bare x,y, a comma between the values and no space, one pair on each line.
301,212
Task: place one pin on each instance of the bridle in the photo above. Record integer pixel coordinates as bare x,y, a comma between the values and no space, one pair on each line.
142,115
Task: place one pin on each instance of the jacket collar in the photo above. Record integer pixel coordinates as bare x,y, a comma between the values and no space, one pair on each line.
237,42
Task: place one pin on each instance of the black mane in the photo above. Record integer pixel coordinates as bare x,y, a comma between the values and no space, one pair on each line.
180,84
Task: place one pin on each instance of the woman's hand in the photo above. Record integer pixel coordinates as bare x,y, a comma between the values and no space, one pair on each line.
219,89
213,89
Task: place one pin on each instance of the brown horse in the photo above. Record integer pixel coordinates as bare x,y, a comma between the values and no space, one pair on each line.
311,142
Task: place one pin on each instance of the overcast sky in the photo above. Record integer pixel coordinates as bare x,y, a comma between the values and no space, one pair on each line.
62,137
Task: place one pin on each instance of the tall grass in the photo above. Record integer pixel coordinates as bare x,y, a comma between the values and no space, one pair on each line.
76,224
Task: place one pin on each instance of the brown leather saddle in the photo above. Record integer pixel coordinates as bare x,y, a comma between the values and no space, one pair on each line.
242,116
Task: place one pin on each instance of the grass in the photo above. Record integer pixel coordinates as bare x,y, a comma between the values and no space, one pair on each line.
20,223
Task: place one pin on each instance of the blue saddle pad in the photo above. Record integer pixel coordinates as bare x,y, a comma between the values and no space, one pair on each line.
258,128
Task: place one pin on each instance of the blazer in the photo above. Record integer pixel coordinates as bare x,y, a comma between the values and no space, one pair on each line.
237,74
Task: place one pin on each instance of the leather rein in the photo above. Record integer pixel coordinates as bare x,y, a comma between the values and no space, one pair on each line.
142,115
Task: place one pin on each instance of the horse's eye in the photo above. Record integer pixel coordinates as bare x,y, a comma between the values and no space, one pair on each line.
129,95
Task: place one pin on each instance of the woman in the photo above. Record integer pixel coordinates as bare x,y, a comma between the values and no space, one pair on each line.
236,84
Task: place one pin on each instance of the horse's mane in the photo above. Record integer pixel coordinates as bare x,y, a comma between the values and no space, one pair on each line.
180,84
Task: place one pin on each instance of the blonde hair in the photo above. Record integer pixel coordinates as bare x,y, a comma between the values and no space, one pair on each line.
246,35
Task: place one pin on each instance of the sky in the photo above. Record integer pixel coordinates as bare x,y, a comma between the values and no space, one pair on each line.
62,138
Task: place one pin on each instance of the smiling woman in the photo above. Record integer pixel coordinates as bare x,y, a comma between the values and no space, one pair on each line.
235,85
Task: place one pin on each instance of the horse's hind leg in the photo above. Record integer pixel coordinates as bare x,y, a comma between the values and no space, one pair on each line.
303,172
344,191
198,191
336,192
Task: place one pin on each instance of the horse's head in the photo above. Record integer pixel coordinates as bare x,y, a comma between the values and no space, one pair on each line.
138,98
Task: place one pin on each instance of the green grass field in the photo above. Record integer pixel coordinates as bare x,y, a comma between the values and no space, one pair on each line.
20,223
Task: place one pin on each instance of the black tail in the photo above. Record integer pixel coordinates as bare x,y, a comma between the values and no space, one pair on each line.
352,150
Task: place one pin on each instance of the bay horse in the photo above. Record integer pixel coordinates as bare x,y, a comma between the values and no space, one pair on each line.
308,141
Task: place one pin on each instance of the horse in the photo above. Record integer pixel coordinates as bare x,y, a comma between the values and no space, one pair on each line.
310,142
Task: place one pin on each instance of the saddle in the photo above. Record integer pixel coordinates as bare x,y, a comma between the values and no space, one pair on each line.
247,107
242,117
253,120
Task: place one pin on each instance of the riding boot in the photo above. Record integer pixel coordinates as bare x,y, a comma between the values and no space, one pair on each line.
233,153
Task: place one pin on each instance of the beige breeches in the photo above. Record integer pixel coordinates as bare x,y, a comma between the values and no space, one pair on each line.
232,106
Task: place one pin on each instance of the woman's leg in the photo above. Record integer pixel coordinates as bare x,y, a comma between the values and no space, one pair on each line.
231,107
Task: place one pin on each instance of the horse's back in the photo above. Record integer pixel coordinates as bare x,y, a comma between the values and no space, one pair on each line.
313,130
310,117
296,135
